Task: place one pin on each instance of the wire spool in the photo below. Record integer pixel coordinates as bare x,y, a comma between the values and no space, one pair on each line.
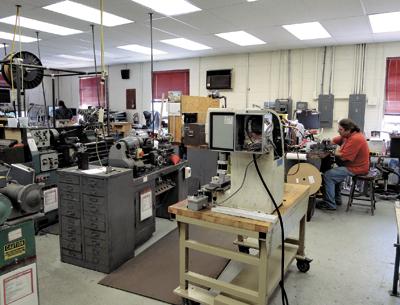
32,77
305,174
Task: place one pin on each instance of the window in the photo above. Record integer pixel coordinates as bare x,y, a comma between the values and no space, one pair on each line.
392,104
88,92
173,80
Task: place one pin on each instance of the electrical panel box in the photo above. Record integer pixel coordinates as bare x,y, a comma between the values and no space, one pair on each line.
325,108
357,104
284,106
222,131
245,131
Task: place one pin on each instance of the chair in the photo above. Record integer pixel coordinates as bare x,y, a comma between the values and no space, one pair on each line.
368,194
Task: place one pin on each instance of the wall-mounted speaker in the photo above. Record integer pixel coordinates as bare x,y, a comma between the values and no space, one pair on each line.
125,73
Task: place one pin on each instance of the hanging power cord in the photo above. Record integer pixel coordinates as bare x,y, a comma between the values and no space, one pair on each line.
285,300
95,66
241,185
97,149
44,94
12,50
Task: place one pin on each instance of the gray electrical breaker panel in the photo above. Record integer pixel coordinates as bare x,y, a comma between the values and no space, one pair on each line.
357,104
325,108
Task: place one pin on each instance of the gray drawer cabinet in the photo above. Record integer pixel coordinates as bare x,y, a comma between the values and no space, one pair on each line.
97,218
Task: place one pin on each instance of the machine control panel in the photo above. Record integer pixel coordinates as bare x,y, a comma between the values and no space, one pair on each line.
41,137
48,161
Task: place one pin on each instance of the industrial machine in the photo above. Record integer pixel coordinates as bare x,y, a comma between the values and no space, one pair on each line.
138,152
159,178
249,136
18,272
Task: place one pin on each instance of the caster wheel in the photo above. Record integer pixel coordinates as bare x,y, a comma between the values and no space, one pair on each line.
244,249
303,265
189,302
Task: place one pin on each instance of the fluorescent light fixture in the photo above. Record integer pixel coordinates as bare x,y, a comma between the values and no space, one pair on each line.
252,0
140,49
9,36
241,38
383,23
86,13
2,46
307,31
79,58
41,26
186,44
170,7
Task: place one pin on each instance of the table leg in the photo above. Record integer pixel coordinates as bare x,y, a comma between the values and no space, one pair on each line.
302,237
263,280
183,254
394,291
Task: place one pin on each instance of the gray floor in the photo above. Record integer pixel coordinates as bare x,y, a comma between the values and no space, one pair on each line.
353,265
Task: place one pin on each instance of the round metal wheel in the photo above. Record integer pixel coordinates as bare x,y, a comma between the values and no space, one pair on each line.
244,249
303,265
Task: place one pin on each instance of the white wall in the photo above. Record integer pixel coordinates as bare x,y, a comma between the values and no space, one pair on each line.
258,77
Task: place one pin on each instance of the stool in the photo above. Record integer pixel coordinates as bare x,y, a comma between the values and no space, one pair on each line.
369,178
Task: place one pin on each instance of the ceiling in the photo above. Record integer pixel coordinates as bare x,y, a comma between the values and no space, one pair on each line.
346,21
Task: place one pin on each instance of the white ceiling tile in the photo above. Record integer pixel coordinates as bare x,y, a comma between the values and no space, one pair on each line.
375,7
345,20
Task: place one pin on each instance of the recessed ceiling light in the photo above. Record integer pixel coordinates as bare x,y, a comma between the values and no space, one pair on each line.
2,45
186,44
170,7
74,57
40,26
252,0
9,36
307,31
85,13
387,22
140,49
241,38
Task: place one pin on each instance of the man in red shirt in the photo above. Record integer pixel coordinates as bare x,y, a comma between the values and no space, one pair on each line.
353,153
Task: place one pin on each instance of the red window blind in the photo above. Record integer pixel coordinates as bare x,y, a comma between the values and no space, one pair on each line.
173,80
392,105
88,91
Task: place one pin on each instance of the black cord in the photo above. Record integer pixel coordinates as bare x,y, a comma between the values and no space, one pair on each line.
241,185
281,283
95,66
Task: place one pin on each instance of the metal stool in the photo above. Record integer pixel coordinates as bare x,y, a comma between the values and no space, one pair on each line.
369,178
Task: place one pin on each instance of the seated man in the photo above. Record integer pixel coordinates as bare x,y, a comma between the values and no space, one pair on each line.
353,154
62,112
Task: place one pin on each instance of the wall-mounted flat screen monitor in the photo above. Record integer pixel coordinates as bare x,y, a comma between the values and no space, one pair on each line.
219,79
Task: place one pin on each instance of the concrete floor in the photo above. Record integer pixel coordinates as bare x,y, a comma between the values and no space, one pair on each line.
353,265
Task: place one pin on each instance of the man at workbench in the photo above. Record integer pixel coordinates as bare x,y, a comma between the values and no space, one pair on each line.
352,156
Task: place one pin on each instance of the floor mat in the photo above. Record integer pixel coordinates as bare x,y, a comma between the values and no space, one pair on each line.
155,272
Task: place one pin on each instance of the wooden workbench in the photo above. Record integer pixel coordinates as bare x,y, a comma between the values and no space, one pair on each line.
261,274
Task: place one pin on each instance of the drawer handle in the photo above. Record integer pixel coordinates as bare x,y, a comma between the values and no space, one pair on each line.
93,199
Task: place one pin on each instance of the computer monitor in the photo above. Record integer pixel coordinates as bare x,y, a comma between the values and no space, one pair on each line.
51,111
5,96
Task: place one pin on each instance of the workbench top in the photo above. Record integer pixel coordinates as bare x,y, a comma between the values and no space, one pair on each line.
293,194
